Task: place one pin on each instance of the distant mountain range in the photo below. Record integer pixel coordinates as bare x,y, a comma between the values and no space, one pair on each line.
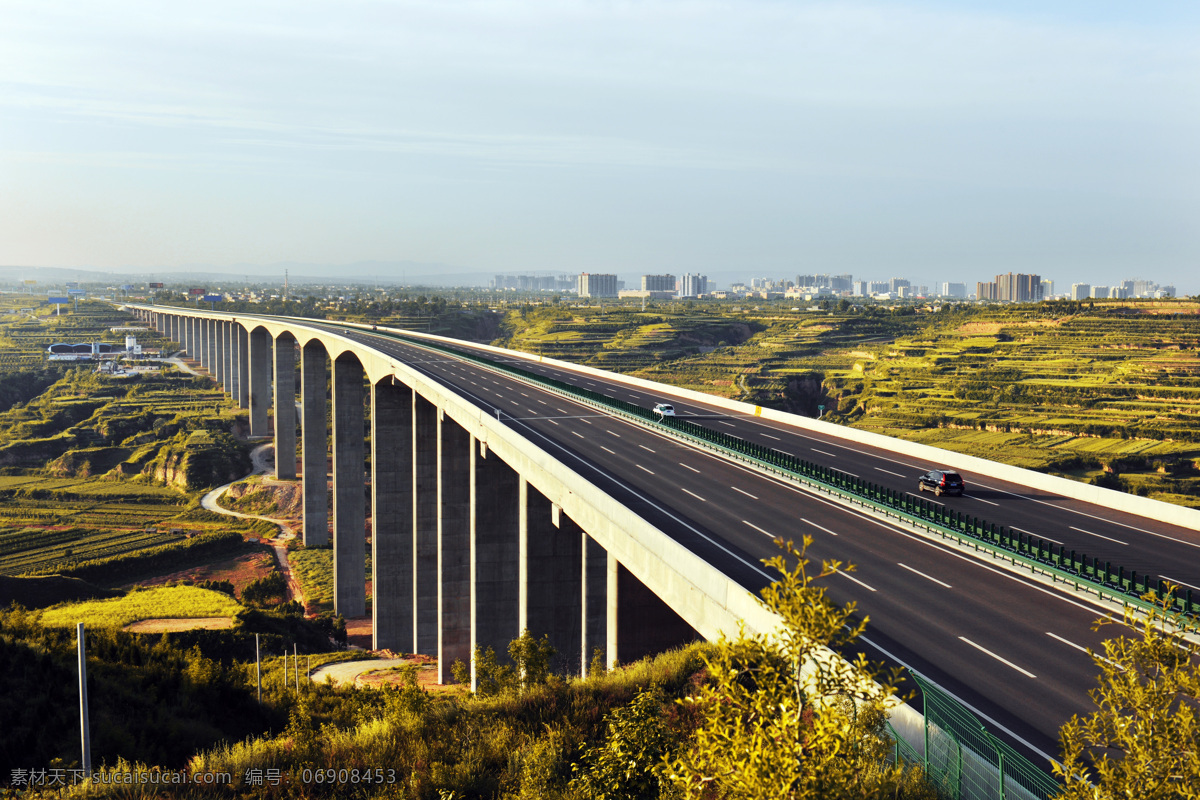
363,272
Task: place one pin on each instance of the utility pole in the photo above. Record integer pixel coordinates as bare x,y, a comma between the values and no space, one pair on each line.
296,663
84,733
258,667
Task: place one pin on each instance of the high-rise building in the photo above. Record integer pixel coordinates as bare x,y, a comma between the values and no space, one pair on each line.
986,291
1099,292
597,284
958,290
1081,291
693,285
895,283
862,288
1018,288
658,283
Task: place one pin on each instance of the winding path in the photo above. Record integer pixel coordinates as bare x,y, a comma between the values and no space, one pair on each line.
262,463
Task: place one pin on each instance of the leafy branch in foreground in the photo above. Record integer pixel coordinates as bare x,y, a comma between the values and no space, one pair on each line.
785,718
1143,740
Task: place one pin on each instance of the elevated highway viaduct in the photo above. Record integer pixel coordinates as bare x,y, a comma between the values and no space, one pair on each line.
498,505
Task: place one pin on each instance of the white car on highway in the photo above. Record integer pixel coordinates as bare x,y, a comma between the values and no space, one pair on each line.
664,409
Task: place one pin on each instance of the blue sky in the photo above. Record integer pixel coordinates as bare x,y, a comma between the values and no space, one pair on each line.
929,140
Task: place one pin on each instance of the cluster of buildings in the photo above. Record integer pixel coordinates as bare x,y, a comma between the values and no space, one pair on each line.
92,351
1126,289
654,287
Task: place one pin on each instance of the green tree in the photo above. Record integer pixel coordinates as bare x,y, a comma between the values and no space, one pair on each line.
628,763
1143,740
532,658
781,716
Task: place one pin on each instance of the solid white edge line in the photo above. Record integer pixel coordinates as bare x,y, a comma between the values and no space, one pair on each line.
1001,659
923,575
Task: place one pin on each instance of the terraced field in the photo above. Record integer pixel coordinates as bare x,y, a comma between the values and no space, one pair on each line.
1107,393
95,469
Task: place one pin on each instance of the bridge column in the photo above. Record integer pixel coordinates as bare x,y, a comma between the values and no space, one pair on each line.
594,597
201,341
495,554
349,489
314,432
228,356
425,519
222,345
391,515
260,380
210,349
234,373
285,406
189,337
243,366
550,603
454,545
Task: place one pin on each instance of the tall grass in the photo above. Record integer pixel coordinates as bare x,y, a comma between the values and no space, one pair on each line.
178,602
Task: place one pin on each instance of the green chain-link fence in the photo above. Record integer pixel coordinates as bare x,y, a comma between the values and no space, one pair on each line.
964,759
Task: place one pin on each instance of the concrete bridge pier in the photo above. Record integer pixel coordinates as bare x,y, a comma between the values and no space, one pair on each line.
550,595
260,381
425,526
242,344
314,431
453,545
349,488
235,378
222,348
495,554
285,406
229,356
391,515
210,347
594,596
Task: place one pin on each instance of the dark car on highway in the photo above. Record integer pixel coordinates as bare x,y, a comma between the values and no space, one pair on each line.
941,481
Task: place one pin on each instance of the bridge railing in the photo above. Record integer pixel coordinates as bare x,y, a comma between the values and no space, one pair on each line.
1106,579
964,760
